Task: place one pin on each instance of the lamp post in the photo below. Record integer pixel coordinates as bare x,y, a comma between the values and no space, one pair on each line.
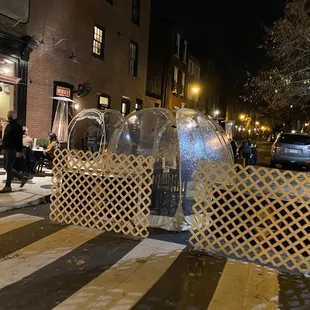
195,94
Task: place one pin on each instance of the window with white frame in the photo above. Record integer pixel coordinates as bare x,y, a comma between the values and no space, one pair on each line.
177,45
197,72
190,67
183,78
133,59
175,80
98,41
185,52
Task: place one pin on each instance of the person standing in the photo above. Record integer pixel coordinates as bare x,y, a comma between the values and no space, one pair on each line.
234,148
93,137
12,148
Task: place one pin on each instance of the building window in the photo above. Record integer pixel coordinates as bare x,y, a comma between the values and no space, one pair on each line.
197,72
104,102
177,45
139,104
182,91
133,59
110,1
190,67
135,14
125,107
175,80
98,42
185,52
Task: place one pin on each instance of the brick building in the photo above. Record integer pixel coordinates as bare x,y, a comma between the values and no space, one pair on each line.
173,76
66,43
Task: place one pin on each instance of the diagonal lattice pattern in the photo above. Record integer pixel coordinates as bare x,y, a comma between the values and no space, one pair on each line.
253,212
107,192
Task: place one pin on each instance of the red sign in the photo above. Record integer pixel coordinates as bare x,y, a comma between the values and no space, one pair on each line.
63,92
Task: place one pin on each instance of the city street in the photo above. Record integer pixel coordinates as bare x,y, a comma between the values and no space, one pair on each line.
264,153
46,266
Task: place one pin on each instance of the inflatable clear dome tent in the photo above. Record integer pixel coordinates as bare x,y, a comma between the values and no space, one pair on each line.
101,123
177,141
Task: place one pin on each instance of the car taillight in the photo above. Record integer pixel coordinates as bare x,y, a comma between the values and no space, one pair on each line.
309,148
277,145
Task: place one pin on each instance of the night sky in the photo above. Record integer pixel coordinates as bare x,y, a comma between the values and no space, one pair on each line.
226,31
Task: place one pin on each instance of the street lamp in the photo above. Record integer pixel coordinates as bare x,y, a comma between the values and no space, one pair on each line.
242,117
256,123
195,90
216,113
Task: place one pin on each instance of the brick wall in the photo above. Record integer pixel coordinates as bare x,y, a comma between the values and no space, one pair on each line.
52,20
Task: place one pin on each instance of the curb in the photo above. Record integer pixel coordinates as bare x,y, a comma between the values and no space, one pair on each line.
32,203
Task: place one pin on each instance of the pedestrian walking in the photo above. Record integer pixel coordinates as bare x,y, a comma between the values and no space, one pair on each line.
253,160
234,149
12,148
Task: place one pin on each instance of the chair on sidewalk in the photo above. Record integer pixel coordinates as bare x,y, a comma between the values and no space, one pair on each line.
43,163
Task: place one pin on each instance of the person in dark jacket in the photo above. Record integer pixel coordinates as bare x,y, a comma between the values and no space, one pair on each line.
12,148
234,149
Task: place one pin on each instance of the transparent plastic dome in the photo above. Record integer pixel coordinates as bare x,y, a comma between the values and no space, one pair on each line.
176,141
104,122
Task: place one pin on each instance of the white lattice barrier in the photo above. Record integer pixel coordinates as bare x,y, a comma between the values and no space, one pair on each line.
107,192
253,212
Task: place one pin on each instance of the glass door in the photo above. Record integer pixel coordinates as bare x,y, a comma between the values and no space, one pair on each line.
7,91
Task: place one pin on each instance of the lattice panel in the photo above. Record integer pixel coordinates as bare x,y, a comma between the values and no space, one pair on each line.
253,212
107,192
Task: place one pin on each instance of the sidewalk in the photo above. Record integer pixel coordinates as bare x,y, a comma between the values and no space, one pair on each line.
36,191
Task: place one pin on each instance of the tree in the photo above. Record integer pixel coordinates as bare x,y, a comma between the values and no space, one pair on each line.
286,79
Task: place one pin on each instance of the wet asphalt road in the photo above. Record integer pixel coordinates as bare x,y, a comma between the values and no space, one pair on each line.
191,282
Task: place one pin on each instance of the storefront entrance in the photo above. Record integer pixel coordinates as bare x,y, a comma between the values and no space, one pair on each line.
7,90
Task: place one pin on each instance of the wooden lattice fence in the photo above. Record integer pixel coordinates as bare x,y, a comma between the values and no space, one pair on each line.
256,213
107,192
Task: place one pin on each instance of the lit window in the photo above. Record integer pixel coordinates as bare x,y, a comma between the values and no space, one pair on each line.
182,92
125,107
98,42
133,59
104,102
185,52
175,80
177,45
135,14
139,104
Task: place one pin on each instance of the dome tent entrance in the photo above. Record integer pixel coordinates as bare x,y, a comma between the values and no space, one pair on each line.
176,142
105,122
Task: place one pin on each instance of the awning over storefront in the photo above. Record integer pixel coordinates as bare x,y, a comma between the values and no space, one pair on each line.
9,79
65,99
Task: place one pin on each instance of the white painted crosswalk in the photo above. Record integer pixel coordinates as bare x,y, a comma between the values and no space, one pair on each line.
75,268
123,285
15,221
22,263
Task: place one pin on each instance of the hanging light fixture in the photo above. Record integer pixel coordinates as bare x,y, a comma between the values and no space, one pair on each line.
73,58
35,43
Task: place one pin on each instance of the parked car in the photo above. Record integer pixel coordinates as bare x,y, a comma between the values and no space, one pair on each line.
291,150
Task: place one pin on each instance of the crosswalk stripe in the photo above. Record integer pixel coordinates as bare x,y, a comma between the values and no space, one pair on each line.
246,286
41,253
124,284
15,221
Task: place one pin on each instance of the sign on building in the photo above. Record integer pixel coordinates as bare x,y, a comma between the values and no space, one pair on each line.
15,9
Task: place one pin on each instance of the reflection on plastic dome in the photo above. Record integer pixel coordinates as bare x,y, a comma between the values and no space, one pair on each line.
92,129
177,142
